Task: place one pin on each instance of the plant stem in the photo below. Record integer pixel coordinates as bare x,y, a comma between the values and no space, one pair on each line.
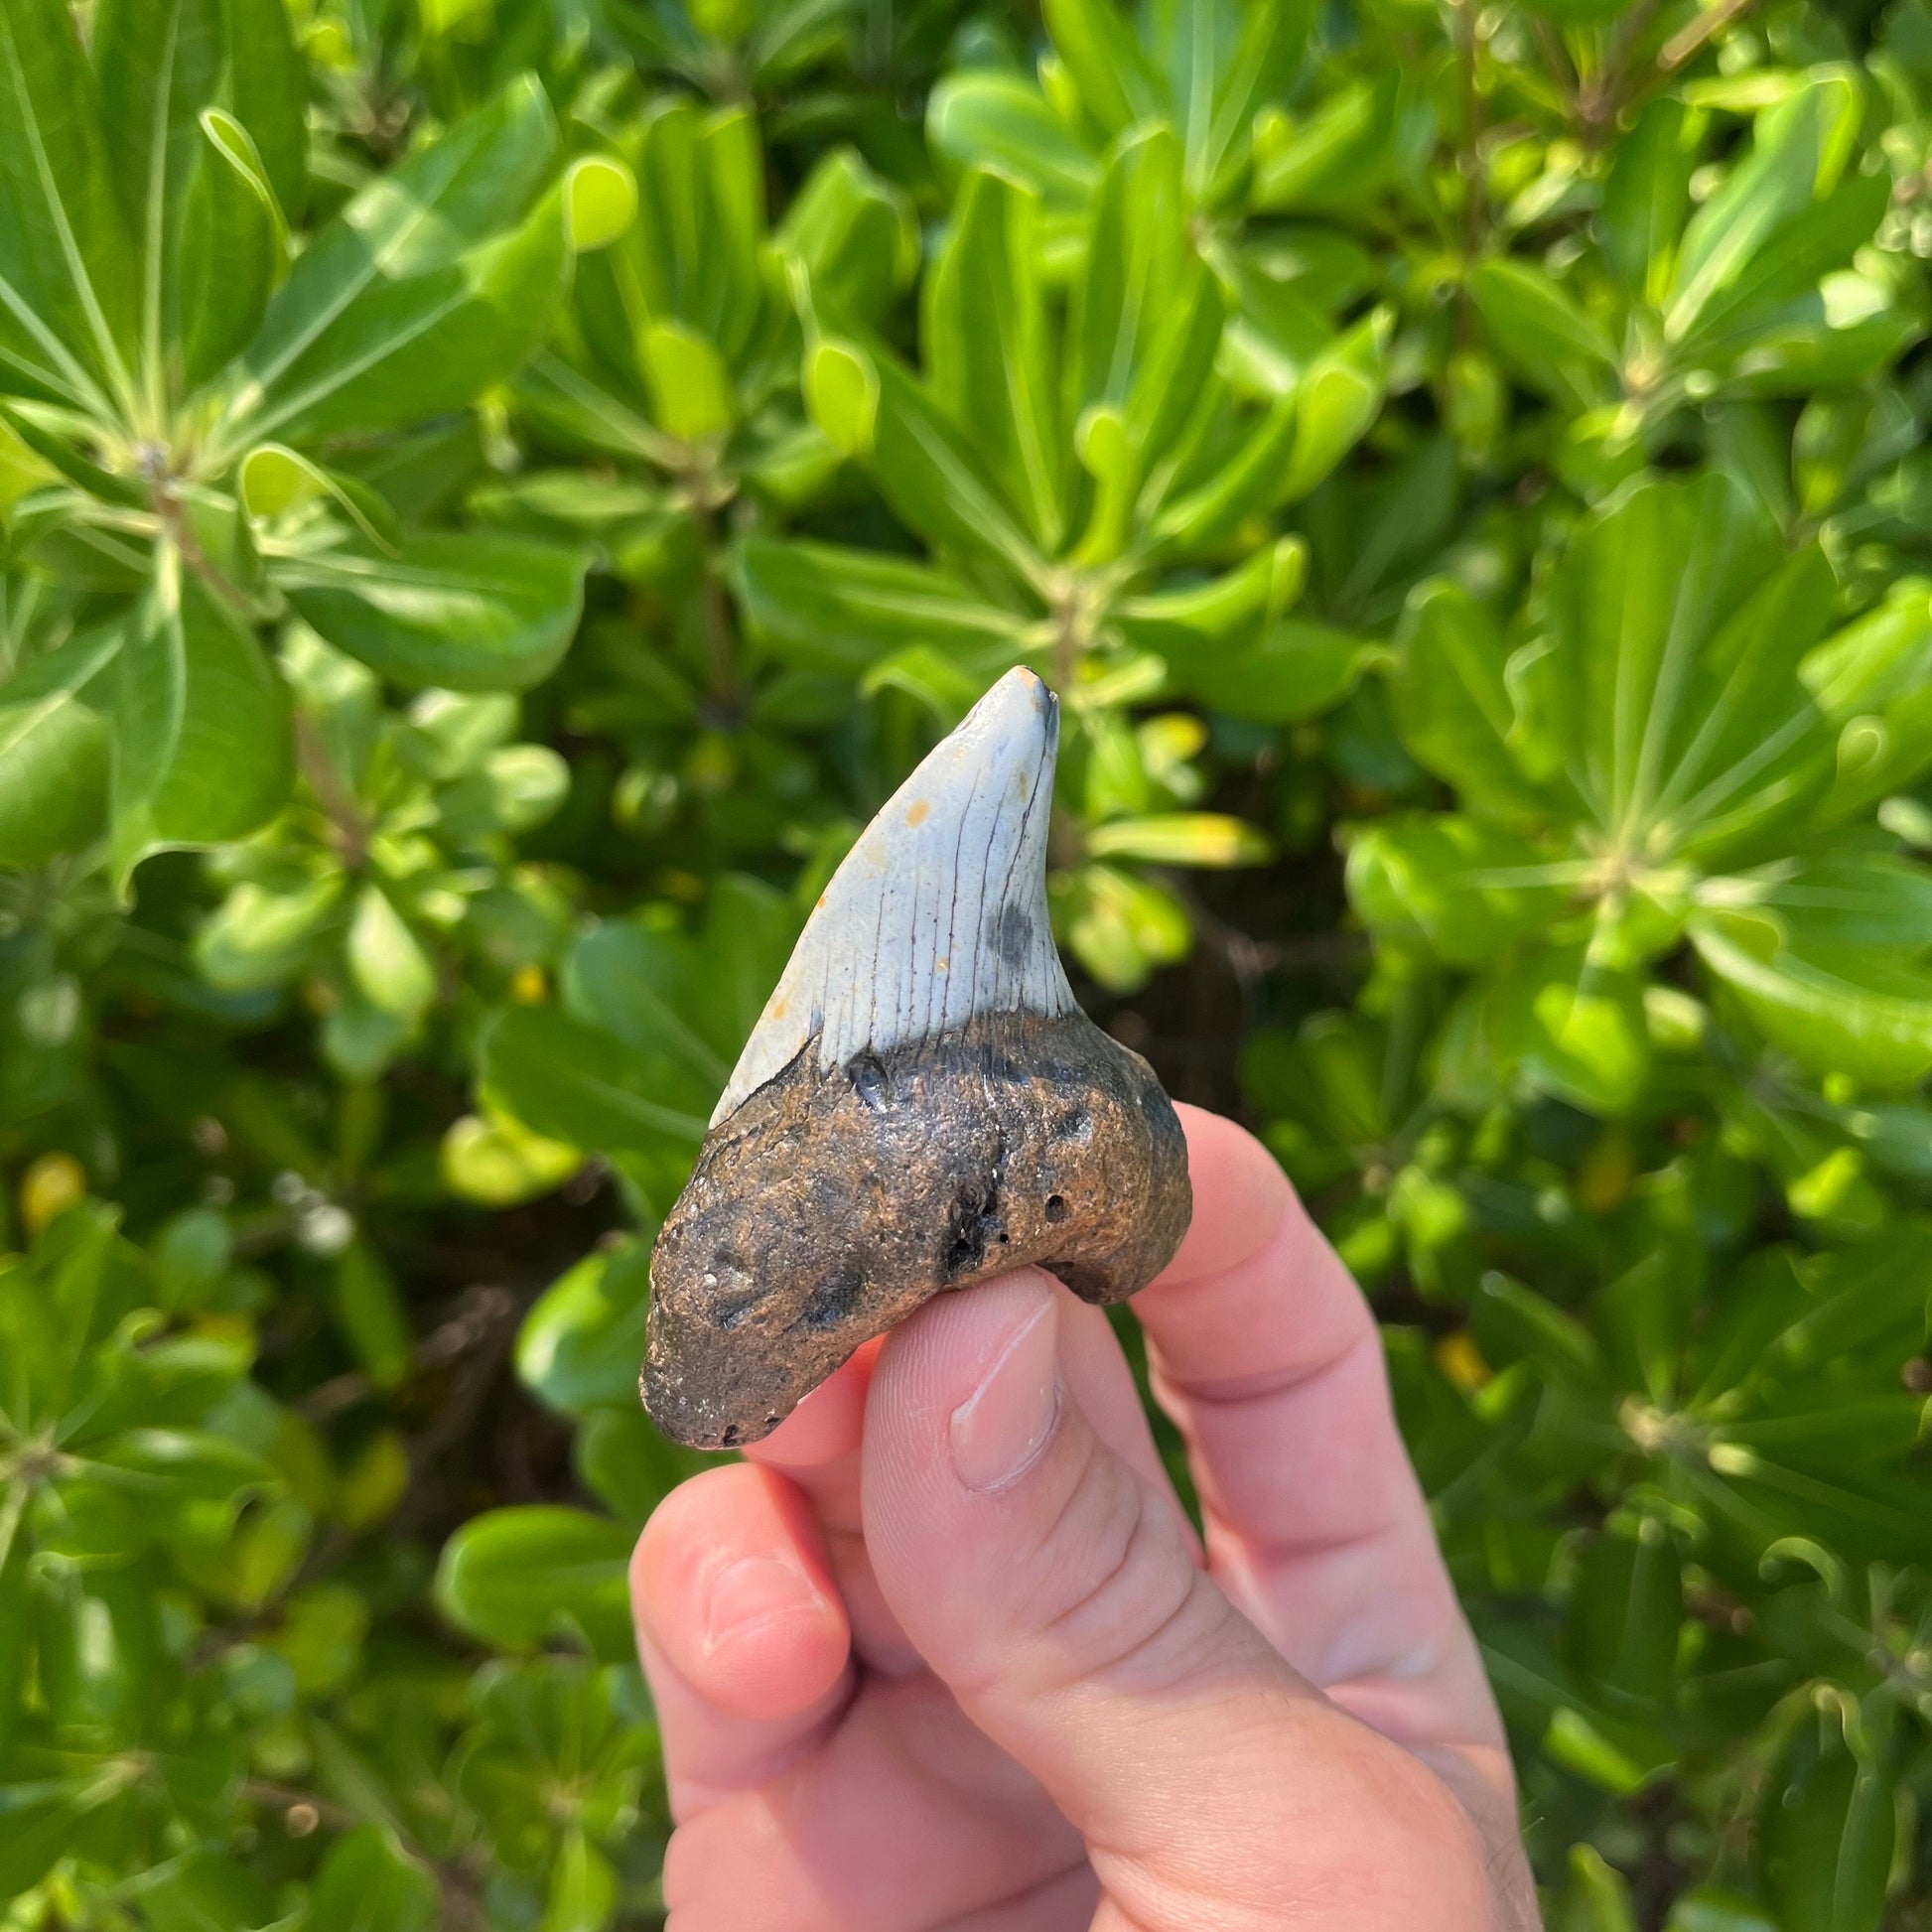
11,1512
1066,651
180,531
459,1884
1687,41
480,1318
713,606
1609,92
1556,57
1469,160
345,817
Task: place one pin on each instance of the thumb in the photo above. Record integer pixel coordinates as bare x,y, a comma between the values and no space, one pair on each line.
1054,1591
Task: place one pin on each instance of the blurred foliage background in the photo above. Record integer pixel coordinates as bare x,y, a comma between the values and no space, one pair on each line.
495,493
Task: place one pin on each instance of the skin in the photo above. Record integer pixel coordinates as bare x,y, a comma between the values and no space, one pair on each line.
943,1651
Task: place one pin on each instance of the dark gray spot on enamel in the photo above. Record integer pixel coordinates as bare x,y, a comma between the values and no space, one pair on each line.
1010,932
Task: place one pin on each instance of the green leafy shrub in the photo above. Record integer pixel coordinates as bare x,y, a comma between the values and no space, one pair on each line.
492,495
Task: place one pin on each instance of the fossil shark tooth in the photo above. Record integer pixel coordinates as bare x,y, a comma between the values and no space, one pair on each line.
921,1106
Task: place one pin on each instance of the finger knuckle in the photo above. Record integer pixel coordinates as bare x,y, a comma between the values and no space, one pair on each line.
1123,1601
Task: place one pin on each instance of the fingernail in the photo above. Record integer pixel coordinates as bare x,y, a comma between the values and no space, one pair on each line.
1002,1426
754,1590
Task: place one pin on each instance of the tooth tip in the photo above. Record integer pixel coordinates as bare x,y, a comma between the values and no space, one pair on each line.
1020,708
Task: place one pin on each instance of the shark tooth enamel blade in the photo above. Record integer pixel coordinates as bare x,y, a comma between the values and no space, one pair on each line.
921,1106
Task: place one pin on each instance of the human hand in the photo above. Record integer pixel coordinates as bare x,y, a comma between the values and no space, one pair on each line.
944,1652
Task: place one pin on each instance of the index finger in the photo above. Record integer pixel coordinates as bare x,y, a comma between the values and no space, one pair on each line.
1268,1358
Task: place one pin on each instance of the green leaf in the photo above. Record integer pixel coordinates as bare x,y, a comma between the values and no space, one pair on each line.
234,247
856,237
1290,447
1570,1027
369,1883
97,1648
44,1817
201,747
1514,1323
265,94
385,959
1626,1610
1679,626
1537,329
946,688
1194,620
1339,397
841,384
1873,663
627,1464
1117,83
583,1894
274,479
1450,691
1873,681
498,1162
1872,1297
691,388
195,94
258,936
1851,897
928,471
516,1577
987,118
1287,671
1706,1908
583,1339
1748,317
54,753
600,200
204,1891
1341,153
66,285
577,1083
422,291
171,1472
689,998
1461,887
1598,1896
369,1311
1797,150
987,349
1830,963
1210,839
844,608
1828,1834
692,254
1221,67
1646,196
1144,324
466,612
1121,927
